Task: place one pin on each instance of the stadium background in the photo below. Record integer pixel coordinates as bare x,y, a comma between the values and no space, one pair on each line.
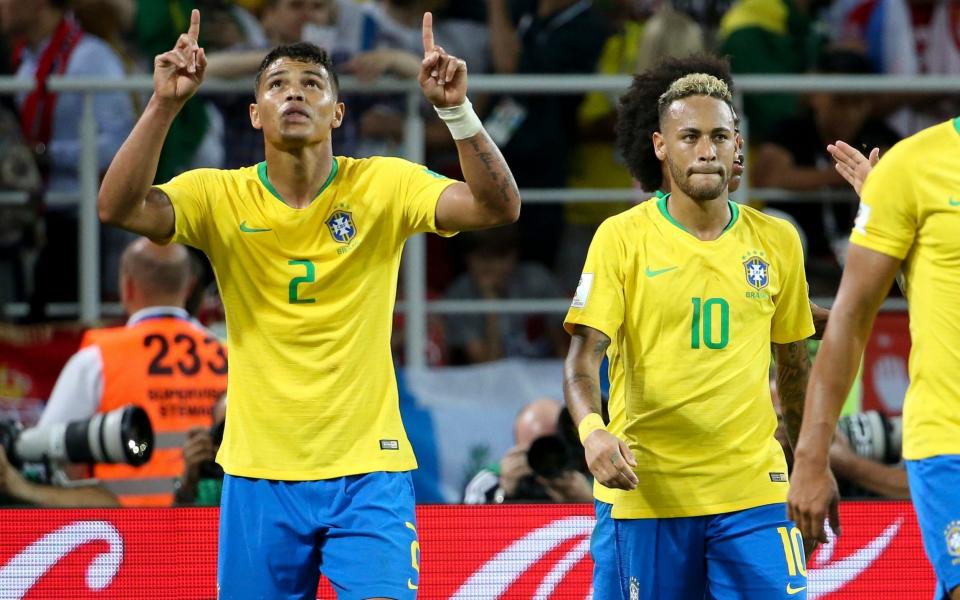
453,433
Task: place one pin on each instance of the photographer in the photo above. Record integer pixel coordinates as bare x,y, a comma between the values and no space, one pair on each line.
869,465
543,437
161,360
14,486
201,482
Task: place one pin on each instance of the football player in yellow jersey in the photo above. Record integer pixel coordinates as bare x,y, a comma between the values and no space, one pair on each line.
306,248
909,218
687,292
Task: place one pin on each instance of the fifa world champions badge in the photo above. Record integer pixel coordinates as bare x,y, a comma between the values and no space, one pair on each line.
952,537
756,270
634,589
341,226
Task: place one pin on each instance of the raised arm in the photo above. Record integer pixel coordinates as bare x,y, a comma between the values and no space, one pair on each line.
608,457
865,283
490,196
126,198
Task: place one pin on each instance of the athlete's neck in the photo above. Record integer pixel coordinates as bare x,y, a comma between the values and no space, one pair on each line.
298,174
705,219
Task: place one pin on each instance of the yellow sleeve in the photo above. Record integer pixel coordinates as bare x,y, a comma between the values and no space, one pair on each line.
792,320
420,189
188,192
887,219
599,300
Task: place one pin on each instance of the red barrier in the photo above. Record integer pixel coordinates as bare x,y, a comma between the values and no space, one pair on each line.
506,552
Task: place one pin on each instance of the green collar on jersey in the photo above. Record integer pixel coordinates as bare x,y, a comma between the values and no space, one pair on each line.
662,205
262,173
956,124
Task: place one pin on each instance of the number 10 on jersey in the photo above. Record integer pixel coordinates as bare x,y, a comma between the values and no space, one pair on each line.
702,328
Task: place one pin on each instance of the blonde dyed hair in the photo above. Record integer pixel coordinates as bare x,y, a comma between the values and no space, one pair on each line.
694,84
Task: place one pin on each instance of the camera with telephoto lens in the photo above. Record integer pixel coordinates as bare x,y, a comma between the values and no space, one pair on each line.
873,435
551,456
123,435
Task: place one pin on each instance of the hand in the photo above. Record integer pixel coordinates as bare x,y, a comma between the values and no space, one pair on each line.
569,486
610,460
10,479
813,495
513,468
852,164
197,449
178,73
442,77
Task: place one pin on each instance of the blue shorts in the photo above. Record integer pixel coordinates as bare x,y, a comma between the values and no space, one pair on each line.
603,549
933,487
276,537
748,554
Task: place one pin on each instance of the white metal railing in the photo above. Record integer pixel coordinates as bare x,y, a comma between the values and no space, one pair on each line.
416,305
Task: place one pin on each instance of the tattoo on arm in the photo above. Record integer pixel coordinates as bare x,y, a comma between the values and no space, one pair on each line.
581,382
495,166
793,369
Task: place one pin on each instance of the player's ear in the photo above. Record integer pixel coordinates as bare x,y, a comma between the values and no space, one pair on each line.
338,115
738,140
255,116
659,145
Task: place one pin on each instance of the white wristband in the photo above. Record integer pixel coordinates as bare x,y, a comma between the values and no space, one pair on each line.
462,122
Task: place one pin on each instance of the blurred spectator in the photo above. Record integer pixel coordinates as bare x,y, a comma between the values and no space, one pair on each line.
775,37
161,360
513,479
536,131
901,37
596,163
48,41
795,155
495,273
201,482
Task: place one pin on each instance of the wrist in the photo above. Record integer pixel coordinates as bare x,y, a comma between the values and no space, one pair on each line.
461,120
165,107
589,424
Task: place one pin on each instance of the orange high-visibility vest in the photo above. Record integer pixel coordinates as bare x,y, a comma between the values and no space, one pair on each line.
175,371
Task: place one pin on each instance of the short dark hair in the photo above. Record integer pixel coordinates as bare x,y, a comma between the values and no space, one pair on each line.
302,51
638,115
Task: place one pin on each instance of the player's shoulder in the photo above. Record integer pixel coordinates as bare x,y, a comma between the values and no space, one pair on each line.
760,219
916,149
632,220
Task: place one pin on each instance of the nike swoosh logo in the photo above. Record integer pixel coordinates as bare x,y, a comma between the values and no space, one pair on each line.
247,229
792,590
411,585
826,579
954,202
652,273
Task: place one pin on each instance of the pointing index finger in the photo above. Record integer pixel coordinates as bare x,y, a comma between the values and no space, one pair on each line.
194,31
427,33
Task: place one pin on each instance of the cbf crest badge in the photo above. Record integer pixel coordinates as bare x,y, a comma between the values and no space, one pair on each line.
757,271
341,226
952,536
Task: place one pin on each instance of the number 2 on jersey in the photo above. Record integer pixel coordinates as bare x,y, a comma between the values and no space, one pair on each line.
309,277
702,325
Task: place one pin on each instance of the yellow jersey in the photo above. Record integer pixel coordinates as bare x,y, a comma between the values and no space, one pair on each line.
691,324
910,210
309,295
